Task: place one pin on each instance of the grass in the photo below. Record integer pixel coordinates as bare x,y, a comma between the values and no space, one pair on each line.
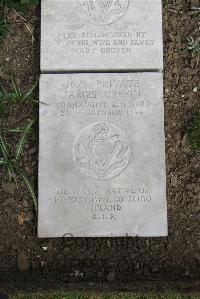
11,159
114,295
19,4
193,43
3,24
15,97
9,5
194,132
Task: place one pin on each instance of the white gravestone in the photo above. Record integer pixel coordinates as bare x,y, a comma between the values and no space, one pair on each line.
80,35
101,160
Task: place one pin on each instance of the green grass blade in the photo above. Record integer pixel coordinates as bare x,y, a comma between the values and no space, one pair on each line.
2,162
40,102
21,143
10,172
10,96
2,89
16,130
2,110
3,28
29,187
27,95
6,157
17,89
3,148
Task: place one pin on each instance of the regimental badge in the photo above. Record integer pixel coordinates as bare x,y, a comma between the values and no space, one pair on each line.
101,151
102,12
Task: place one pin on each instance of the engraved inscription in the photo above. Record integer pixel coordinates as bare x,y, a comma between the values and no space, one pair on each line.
103,98
101,151
105,203
102,12
104,43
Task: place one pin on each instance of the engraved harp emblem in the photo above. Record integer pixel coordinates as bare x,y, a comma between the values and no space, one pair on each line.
101,151
102,12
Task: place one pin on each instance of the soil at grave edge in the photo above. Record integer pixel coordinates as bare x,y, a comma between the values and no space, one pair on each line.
29,262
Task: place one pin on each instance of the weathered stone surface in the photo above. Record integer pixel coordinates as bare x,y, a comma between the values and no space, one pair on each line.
102,161
101,35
